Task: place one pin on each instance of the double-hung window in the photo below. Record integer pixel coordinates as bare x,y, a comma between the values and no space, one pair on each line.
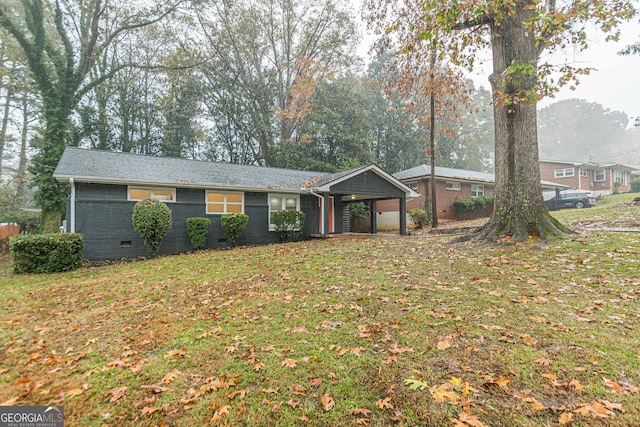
620,178
599,175
219,202
477,190
282,202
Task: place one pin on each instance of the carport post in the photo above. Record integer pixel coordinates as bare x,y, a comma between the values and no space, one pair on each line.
403,216
374,219
325,213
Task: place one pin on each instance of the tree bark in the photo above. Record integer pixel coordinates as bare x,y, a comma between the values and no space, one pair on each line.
519,211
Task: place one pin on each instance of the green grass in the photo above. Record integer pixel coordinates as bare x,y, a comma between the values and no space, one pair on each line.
511,334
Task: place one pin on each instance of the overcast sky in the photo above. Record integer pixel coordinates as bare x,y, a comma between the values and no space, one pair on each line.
615,82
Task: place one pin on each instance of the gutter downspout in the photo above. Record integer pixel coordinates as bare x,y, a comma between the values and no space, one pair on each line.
72,207
321,210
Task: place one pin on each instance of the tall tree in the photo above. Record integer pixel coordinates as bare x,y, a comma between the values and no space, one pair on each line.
266,59
517,31
61,41
577,130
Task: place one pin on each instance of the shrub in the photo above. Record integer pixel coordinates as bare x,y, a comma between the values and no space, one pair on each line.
152,219
198,228
234,225
358,209
464,204
288,223
46,253
635,185
420,217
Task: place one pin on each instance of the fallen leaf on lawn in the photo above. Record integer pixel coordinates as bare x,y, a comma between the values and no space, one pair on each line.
74,392
176,354
10,402
565,418
528,340
242,393
363,421
150,410
170,377
270,390
385,403
356,351
299,330
276,407
360,411
289,363
444,392
315,381
543,361
293,403
601,409
298,389
501,382
116,393
444,344
576,384
222,411
465,420
327,402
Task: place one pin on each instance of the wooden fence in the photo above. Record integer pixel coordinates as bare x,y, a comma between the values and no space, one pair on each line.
8,230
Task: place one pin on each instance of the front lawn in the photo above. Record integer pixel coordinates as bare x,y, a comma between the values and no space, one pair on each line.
409,331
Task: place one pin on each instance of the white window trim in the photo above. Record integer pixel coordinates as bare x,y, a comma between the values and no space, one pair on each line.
151,189
282,196
455,186
477,186
564,173
624,177
413,185
584,173
604,175
206,201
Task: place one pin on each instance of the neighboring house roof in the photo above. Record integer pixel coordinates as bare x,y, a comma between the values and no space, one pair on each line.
442,172
461,175
135,169
594,165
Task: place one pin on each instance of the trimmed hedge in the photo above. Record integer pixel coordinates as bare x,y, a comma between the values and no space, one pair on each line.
234,225
464,204
288,223
198,229
635,185
46,253
152,219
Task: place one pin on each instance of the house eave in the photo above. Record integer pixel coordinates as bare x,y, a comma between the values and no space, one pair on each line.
179,184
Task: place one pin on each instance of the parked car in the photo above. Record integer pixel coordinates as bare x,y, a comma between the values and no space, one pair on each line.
571,199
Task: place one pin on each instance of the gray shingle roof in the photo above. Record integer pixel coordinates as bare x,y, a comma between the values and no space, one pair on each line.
127,168
462,175
442,172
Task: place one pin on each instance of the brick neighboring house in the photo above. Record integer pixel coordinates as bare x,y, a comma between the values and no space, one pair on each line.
599,178
451,184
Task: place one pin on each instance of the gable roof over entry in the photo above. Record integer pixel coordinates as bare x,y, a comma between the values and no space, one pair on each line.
108,167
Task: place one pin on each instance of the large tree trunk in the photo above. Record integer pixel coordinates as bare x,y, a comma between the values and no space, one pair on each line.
519,209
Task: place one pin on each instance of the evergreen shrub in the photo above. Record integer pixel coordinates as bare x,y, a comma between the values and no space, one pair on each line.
46,253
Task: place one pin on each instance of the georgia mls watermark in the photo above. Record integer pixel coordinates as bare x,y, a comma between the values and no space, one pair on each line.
31,416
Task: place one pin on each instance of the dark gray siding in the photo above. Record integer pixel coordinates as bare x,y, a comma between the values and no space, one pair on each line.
368,183
103,217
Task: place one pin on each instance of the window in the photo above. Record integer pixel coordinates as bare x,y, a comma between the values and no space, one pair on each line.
413,186
222,203
282,202
599,175
163,194
584,173
563,173
620,178
477,190
453,185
